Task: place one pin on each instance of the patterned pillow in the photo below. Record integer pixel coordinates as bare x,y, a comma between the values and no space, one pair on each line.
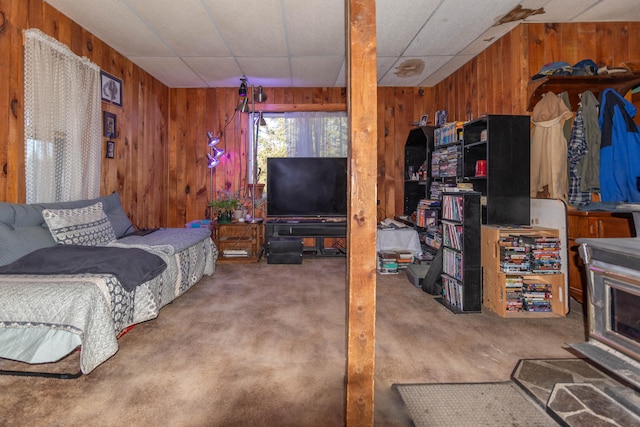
88,226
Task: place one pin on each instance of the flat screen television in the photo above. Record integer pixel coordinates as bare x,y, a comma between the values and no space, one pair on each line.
306,186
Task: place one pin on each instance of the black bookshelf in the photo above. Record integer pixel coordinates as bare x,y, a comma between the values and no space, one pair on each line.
503,142
461,263
417,153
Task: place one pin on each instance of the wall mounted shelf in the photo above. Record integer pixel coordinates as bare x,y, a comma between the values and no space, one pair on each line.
575,85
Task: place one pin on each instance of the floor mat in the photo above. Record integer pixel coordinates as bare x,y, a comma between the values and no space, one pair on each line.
471,404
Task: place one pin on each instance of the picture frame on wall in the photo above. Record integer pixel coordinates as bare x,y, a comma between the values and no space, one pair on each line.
109,125
110,89
111,150
424,119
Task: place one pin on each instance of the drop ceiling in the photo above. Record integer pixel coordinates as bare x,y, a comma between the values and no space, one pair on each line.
301,43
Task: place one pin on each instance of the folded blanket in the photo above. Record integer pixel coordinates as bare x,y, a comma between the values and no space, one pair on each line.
131,266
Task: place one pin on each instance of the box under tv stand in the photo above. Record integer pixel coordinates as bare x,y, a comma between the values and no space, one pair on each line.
315,228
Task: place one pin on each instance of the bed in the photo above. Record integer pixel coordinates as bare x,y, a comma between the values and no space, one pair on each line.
47,313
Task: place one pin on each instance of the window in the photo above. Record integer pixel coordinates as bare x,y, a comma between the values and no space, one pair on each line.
301,134
62,122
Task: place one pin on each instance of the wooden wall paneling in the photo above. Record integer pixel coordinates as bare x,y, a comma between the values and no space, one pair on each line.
386,191
10,42
552,43
5,97
509,80
586,41
457,87
471,101
496,77
604,44
634,41
16,190
522,73
620,41
155,96
570,44
194,148
127,126
483,83
177,133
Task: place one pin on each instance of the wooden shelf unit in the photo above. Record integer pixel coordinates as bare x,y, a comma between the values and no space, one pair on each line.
494,280
238,235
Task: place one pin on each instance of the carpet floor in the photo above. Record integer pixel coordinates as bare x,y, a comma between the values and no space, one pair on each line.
264,345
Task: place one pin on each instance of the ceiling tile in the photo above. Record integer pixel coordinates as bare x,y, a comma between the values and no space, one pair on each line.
184,26
557,9
449,31
115,23
315,71
398,22
271,72
394,76
384,65
612,10
487,38
315,27
216,72
173,72
453,63
250,27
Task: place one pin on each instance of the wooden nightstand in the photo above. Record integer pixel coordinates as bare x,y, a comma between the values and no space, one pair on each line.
238,241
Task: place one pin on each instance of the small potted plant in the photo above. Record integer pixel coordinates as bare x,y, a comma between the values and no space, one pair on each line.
225,205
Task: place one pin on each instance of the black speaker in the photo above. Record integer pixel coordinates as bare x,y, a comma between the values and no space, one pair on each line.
284,250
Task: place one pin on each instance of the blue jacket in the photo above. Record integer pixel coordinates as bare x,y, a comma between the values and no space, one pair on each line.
619,149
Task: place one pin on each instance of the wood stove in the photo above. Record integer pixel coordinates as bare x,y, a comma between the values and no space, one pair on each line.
613,304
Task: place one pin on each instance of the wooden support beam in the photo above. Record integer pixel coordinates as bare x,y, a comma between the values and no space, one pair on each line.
362,215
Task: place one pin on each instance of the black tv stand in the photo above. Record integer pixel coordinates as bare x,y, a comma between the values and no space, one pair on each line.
316,228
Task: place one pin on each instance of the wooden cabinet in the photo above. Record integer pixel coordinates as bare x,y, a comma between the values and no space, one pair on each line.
238,241
499,283
591,224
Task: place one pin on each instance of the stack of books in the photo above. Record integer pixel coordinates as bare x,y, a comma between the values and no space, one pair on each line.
387,262
235,253
404,258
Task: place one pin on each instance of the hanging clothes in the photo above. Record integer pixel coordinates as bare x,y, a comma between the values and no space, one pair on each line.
549,147
619,149
576,150
589,167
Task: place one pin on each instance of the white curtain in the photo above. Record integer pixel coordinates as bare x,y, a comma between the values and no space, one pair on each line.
63,143
316,134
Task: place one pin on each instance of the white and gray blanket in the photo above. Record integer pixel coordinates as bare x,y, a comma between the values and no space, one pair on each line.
95,307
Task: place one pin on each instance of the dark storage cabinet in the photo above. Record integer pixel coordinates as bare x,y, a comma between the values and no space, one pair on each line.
503,142
461,267
417,152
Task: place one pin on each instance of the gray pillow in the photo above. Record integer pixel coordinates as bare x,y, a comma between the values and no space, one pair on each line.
88,226
119,220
